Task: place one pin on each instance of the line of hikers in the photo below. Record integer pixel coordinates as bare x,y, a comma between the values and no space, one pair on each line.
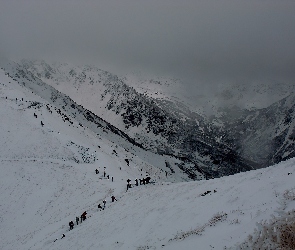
104,203
104,174
83,215
142,181
82,218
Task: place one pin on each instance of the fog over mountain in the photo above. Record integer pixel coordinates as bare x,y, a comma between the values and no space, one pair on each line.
204,43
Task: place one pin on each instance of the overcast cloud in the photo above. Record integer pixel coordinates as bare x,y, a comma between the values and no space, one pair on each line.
197,41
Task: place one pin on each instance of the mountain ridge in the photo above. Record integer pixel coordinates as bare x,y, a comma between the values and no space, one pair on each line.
48,178
164,125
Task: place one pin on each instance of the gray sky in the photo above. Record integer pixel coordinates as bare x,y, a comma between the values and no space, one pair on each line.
197,41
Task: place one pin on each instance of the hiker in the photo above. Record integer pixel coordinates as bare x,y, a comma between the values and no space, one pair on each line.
128,184
96,171
127,161
136,182
84,215
42,124
113,198
140,181
63,235
104,173
99,206
112,178
71,224
147,180
77,220
143,181
81,218
104,203
108,177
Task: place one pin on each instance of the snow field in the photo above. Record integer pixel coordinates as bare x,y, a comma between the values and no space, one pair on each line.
45,183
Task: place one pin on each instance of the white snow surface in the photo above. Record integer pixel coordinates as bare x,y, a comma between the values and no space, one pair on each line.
46,182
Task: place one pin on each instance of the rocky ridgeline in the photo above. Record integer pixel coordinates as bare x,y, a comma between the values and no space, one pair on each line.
168,127
266,136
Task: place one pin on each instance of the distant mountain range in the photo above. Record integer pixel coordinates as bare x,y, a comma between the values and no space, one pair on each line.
154,115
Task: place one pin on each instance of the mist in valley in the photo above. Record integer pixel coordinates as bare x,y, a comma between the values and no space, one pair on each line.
206,45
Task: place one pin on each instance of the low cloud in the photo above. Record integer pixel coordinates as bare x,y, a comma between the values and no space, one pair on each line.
200,42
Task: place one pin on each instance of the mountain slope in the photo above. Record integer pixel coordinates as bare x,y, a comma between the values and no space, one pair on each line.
163,126
48,178
68,109
266,135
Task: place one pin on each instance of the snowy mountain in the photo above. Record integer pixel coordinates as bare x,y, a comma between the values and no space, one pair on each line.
48,178
164,126
155,116
265,136
69,110
207,100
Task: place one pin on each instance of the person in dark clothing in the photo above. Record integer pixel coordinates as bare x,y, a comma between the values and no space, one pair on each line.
71,224
63,235
96,171
143,181
77,220
108,177
112,178
113,198
104,173
99,206
104,203
128,184
140,181
81,218
84,215
42,124
147,180
127,161
136,182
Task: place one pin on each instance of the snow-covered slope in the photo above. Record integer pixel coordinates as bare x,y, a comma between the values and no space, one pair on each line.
69,109
48,178
163,126
264,135
163,122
